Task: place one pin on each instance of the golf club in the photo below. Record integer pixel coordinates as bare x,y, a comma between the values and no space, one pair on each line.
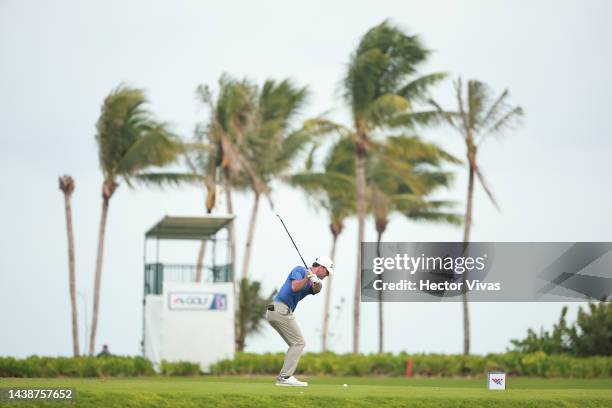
296,248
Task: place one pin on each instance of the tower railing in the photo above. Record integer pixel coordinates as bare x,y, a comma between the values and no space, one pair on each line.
158,273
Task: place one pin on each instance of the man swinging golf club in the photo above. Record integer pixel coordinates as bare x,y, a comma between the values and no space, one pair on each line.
300,283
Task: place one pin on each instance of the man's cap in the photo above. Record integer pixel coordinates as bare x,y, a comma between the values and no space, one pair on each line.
326,262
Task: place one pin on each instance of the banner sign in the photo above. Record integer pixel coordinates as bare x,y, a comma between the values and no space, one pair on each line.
197,301
486,271
496,380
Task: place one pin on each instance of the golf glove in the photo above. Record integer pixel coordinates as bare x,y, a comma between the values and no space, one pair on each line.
314,278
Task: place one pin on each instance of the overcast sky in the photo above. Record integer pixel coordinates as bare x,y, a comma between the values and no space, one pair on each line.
59,59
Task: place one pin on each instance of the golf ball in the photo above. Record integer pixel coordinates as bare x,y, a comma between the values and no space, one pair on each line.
345,385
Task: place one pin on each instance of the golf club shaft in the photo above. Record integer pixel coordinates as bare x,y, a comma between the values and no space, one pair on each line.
296,248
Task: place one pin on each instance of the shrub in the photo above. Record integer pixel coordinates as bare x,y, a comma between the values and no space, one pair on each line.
35,366
536,364
179,368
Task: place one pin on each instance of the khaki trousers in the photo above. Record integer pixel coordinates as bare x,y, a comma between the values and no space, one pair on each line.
284,323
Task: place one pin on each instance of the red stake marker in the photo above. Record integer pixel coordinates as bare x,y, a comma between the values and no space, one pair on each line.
409,368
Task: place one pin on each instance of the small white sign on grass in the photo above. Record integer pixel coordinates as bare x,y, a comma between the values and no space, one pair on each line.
496,380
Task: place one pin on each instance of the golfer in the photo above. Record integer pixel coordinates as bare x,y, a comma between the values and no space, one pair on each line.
300,283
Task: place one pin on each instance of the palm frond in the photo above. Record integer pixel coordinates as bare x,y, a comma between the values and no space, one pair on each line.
462,108
435,216
383,60
451,117
386,107
168,179
416,90
510,120
477,98
497,106
486,187
155,148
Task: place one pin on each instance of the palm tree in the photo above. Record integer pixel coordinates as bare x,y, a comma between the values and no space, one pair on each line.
129,141
231,119
203,170
396,169
233,122
379,87
401,173
270,147
66,184
475,121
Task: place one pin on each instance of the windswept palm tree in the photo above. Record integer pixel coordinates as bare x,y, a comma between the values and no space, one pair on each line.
270,145
66,184
230,121
401,173
478,117
379,87
129,141
232,124
255,122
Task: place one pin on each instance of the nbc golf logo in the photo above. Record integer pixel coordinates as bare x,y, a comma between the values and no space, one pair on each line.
496,381
197,301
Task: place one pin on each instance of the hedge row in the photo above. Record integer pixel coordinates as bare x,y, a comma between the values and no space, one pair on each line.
108,366
536,365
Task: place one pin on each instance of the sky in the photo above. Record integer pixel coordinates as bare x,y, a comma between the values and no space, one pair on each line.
59,59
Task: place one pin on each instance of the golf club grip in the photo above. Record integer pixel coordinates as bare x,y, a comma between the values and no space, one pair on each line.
292,241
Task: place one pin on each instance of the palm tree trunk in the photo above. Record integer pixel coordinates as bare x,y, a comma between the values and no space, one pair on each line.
380,305
360,198
466,239
210,203
232,235
249,240
325,331
200,261
106,195
67,186
232,238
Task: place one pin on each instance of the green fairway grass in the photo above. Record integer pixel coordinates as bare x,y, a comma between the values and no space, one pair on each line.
323,392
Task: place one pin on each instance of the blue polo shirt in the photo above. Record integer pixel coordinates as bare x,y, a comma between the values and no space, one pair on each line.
289,297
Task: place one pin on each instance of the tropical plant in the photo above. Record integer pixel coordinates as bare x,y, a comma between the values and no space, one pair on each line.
590,335
555,342
130,140
379,87
478,117
270,146
400,175
66,184
231,118
400,172
250,143
251,310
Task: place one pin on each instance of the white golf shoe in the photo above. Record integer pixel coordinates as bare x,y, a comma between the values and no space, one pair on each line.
290,382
